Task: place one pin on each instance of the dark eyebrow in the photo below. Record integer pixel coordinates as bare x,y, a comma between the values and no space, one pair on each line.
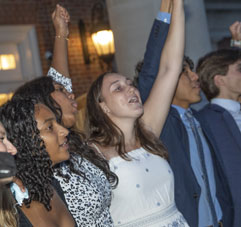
49,119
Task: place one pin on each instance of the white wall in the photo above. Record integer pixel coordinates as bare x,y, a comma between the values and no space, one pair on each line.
20,40
131,21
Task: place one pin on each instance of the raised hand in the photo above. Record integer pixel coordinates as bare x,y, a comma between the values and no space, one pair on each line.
61,18
235,30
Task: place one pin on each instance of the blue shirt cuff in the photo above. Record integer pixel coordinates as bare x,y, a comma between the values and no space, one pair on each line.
164,17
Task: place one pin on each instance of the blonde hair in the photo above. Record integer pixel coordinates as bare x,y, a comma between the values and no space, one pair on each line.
8,212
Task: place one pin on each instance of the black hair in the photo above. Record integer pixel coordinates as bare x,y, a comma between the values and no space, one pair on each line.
186,62
41,89
34,167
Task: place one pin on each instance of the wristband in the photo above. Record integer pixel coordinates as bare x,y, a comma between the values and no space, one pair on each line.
235,43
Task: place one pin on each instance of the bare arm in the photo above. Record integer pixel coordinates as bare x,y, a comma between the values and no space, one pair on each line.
60,18
158,103
166,6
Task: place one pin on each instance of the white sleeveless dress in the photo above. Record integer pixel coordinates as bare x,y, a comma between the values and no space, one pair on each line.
144,196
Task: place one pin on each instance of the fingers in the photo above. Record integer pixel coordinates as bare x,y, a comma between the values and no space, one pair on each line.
238,30
60,12
235,30
53,14
63,13
61,18
233,26
19,183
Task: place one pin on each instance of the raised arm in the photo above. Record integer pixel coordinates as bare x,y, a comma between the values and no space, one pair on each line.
158,103
60,18
154,48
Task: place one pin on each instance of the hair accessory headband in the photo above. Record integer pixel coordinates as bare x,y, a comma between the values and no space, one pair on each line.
60,79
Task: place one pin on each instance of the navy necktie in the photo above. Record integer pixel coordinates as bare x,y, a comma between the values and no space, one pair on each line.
190,119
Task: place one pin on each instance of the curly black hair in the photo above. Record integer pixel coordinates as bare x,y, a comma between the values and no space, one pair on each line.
41,89
34,167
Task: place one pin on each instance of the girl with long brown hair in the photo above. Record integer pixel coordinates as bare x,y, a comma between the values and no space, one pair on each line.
126,133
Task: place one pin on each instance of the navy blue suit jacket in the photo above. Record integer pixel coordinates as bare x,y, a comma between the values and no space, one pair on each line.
175,138
221,128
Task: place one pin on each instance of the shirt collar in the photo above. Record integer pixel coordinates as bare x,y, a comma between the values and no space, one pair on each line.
180,110
227,104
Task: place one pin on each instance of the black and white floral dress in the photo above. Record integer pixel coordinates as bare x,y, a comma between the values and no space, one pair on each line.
88,199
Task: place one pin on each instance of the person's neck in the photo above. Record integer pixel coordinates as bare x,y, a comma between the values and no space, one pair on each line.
184,105
234,97
128,129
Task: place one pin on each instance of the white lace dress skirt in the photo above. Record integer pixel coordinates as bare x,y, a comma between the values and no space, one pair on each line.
144,196
88,199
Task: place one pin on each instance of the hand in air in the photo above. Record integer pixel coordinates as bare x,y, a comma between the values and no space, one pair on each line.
235,30
61,18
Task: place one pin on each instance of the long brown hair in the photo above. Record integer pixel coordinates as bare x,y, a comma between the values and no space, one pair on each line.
8,212
103,131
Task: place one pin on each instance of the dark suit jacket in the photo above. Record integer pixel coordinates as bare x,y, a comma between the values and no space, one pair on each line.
220,127
175,138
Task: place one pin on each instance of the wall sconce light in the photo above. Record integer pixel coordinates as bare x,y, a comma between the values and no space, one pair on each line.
7,62
101,34
5,97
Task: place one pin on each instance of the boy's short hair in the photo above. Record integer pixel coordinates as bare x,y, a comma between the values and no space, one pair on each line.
212,64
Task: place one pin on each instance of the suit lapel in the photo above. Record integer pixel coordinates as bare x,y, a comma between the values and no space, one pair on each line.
181,131
232,127
229,122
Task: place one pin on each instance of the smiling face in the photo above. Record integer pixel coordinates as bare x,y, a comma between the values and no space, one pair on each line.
67,103
5,144
188,89
119,98
53,134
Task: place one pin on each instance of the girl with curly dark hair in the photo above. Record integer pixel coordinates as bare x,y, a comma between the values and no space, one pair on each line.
85,178
41,143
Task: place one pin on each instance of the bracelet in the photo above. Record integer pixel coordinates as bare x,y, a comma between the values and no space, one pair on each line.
59,78
235,43
59,37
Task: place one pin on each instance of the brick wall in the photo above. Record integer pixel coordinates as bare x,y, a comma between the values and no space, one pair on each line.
38,12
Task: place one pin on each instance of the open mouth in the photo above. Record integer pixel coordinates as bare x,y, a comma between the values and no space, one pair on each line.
134,99
75,105
65,144
196,85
